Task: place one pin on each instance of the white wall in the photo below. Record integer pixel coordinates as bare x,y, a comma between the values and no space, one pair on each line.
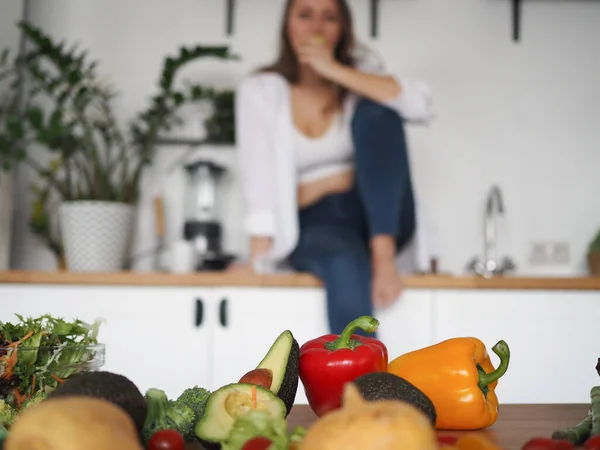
522,115
10,13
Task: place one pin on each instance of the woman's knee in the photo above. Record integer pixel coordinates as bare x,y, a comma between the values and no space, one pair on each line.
370,112
330,252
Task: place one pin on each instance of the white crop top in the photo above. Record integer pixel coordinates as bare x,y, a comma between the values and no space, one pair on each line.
326,155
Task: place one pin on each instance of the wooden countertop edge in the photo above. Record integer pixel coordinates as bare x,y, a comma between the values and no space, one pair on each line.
300,280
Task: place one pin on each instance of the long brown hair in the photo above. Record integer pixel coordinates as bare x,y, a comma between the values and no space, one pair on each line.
286,63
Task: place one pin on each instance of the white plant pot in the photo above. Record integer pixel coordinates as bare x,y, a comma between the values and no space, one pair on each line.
96,235
6,204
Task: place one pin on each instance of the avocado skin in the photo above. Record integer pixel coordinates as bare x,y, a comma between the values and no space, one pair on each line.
289,384
206,445
288,388
387,386
109,386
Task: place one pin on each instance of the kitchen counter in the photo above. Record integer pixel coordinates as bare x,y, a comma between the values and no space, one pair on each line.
516,424
291,280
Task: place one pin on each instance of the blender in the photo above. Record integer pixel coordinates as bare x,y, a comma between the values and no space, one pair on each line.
202,226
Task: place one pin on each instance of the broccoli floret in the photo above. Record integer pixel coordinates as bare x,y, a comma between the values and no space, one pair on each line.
40,395
195,398
165,414
7,414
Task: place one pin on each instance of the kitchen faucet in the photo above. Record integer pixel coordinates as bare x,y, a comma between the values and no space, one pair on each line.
490,265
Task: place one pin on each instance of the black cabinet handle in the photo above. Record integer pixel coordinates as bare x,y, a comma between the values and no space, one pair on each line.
199,312
223,312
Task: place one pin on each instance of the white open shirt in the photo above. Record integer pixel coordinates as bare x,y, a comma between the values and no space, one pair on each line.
264,128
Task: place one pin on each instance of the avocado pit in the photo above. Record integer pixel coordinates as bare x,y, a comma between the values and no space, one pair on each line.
238,403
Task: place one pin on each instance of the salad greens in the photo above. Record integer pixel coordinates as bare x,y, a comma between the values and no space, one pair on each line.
254,424
36,354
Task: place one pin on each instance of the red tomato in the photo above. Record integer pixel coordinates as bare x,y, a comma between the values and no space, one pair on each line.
540,443
563,444
166,440
592,443
257,443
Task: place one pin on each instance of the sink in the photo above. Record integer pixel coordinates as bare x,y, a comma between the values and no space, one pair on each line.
489,266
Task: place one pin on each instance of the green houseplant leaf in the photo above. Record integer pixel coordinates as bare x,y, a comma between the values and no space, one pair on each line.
594,245
68,112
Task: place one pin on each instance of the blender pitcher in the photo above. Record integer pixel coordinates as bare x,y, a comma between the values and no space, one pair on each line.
202,226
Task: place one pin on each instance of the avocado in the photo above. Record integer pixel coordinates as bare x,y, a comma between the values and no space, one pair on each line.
282,360
229,402
109,386
387,386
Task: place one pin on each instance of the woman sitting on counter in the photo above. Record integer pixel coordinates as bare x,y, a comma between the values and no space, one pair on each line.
324,165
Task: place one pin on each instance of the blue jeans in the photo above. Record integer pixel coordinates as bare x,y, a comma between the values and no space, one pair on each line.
335,232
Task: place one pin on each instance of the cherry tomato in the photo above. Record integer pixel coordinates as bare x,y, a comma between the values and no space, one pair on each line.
166,440
447,440
592,443
257,443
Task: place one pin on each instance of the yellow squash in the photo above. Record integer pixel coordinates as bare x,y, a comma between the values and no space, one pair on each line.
376,425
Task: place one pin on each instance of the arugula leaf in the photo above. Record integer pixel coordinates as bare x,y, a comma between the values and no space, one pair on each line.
28,350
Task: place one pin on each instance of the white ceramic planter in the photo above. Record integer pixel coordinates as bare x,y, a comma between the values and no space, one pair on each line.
6,203
96,235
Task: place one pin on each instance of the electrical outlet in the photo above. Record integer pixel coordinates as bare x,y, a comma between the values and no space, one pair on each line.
538,253
549,253
560,253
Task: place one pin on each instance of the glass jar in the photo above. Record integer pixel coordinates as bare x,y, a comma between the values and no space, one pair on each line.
43,368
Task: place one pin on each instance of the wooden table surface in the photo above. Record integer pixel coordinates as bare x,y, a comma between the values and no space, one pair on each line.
516,424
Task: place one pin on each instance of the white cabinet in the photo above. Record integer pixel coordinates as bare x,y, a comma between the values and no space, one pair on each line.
407,324
158,337
552,335
174,338
250,319
151,334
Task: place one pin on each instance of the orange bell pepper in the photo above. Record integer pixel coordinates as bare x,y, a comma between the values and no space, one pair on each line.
459,378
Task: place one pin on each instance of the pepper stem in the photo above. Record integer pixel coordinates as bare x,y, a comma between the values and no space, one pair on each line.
366,323
501,349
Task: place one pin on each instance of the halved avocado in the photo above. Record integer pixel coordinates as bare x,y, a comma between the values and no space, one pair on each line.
375,386
229,402
282,360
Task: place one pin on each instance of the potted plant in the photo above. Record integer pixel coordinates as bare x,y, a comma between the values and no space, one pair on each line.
92,168
7,104
593,255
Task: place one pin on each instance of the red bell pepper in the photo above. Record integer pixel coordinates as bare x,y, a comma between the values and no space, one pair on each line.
329,362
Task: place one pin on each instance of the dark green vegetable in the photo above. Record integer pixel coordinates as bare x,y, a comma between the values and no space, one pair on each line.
7,414
34,400
164,414
595,409
3,434
195,398
375,386
577,434
109,386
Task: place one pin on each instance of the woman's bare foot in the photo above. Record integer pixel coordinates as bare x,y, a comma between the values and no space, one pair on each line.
240,268
387,283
